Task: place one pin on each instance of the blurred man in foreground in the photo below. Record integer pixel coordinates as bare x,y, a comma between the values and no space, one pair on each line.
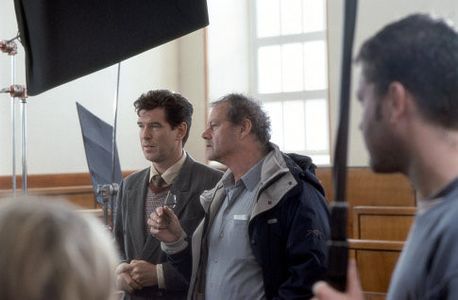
409,93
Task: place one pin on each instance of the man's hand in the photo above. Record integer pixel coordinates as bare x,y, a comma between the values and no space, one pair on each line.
143,272
164,225
123,279
323,291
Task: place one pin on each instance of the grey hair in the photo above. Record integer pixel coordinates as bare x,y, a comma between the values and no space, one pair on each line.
242,107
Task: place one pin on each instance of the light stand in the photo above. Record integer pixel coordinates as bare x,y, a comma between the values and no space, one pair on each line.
24,141
108,193
16,91
10,47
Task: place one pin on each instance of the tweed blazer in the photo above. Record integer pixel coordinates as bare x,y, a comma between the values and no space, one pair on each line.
129,227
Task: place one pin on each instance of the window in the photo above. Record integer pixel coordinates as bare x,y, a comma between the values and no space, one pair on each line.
289,73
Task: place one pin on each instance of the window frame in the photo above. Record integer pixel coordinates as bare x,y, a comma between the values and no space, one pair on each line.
255,43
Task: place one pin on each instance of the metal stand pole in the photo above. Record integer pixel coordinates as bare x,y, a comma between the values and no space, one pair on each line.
10,47
24,144
13,128
109,191
113,139
115,121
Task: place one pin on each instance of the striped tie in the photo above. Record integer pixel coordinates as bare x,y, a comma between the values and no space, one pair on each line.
158,184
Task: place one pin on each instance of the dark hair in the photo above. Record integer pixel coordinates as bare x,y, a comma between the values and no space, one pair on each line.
177,108
421,53
241,107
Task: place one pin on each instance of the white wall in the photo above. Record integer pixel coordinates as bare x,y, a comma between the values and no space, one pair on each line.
372,16
191,80
228,55
55,144
54,136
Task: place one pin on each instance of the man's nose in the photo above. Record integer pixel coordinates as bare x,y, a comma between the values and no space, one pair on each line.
145,133
205,135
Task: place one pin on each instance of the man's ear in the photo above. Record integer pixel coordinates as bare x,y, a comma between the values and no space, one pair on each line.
397,101
182,128
245,128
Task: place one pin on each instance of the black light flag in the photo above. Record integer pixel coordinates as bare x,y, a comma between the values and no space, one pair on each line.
66,39
97,139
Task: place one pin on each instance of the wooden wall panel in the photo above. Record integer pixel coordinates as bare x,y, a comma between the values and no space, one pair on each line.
367,188
393,228
75,187
81,196
364,187
382,223
48,180
375,261
375,269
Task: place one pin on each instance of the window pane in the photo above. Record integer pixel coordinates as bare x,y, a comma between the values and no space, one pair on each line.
269,69
313,15
275,111
321,159
292,67
291,16
293,120
268,18
315,65
316,124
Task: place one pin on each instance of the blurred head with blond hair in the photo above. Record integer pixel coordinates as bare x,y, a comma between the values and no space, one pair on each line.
48,250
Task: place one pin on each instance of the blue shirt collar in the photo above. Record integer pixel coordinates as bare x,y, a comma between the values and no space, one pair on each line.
250,179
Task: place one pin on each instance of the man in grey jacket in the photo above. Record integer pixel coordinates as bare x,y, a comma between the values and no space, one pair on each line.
164,120
266,222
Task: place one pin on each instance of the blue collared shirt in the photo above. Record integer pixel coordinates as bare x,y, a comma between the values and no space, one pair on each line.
232,270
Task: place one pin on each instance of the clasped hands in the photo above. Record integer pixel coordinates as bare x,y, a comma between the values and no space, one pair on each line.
135,275
165,226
